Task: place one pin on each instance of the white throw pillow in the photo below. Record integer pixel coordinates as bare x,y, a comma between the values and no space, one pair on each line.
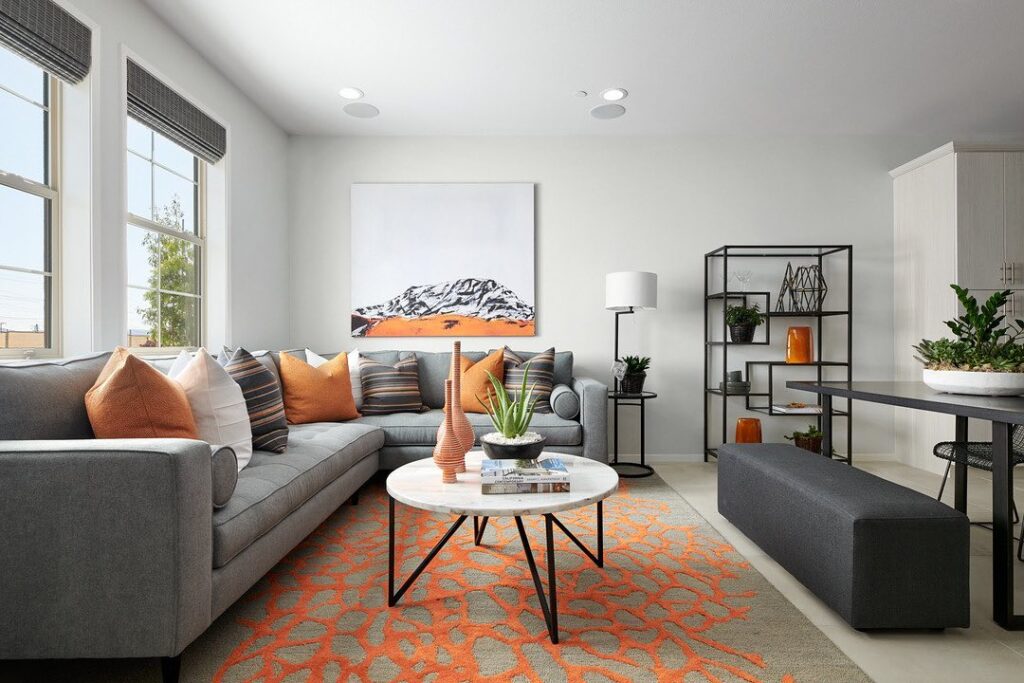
216,401
353,372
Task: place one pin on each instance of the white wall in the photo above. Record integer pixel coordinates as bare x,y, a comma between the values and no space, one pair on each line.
606,204
254,182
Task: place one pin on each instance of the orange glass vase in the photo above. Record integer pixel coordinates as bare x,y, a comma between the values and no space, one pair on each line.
798,345
748,430
448,453
463,429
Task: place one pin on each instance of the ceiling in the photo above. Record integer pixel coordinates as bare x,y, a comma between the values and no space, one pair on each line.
511,67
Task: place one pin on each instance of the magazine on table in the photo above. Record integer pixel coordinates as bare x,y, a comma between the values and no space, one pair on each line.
524,476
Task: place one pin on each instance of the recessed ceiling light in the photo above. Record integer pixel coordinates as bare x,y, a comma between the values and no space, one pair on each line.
351,93
361,110
615,94
581,93
605,111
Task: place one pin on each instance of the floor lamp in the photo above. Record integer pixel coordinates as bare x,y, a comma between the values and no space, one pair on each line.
626,293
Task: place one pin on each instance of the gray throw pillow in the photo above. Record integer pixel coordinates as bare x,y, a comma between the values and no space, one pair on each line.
565,402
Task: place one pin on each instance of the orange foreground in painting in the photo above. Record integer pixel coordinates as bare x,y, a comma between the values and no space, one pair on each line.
449,326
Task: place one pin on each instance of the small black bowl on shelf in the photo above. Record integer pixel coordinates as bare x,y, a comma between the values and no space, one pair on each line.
523,451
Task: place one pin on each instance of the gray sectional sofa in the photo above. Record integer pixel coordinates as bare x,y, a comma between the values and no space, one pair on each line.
132,547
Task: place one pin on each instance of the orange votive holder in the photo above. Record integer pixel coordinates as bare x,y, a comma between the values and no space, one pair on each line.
798,345
748,430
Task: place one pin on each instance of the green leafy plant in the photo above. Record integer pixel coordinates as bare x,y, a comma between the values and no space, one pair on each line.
510,416
636,364
744,315
812,431
983,343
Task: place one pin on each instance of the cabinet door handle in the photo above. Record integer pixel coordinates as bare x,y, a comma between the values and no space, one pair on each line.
1002,273
1013,272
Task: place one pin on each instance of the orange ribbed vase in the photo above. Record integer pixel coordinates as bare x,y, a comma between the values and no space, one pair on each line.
799,341
448,453
453,406
748,430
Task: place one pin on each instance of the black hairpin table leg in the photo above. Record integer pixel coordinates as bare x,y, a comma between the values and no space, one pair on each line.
393,596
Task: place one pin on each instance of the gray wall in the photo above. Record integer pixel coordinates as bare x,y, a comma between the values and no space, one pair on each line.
624,203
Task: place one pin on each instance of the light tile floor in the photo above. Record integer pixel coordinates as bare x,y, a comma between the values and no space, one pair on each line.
984,652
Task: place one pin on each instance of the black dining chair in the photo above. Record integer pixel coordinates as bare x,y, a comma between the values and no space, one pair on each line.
978,454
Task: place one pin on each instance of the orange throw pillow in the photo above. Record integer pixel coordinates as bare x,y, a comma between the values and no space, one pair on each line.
322,394
475,383
133,400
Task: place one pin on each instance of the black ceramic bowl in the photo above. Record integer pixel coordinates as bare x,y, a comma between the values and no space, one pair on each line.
527,451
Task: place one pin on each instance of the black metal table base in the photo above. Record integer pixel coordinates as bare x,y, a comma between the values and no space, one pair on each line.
548,600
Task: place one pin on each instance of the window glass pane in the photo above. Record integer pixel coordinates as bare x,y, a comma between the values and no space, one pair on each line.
140,187
22,76
173,156
143,257
179,320
175,200
23,142
142,317
23,304
140,138
178,272
23,230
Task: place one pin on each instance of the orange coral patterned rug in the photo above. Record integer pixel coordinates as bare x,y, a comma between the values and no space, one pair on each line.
674,602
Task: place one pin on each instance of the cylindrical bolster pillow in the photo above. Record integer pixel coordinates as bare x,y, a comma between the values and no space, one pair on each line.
225,474
565,402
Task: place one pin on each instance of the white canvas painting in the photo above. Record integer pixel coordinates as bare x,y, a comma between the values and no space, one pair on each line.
444,259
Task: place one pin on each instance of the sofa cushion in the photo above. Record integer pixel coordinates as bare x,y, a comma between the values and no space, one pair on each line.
262,391
225,474
536,374
274,485
565,402
320,393
390,388
420,429
563,364
434,369
46,400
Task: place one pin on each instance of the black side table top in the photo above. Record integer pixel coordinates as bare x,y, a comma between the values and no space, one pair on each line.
642,396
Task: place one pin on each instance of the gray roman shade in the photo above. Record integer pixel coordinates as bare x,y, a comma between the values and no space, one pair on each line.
165,111
47,35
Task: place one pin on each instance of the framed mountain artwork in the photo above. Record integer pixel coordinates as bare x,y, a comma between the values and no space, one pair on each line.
443,260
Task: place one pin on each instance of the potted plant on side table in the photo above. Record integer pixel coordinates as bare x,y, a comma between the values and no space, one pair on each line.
511,418
809,440
635,374
742,321
985,359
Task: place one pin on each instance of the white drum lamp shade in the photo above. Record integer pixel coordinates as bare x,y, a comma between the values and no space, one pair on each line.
631,289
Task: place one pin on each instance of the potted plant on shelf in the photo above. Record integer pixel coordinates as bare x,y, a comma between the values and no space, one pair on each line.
809,440
511,418
635,373
985,359
742,321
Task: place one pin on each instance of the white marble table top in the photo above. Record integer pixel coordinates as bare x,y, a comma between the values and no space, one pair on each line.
418,484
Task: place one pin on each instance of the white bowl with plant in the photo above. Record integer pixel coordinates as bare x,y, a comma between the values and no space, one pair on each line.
985,359
511,418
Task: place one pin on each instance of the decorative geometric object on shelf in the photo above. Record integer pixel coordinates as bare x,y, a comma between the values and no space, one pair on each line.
803,290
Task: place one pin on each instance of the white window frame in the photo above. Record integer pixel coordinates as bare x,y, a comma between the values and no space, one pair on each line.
50,192
199,239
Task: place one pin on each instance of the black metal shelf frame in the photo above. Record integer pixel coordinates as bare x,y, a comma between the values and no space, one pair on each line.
718,291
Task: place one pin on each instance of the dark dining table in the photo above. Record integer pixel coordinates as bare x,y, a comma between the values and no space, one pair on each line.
1002,412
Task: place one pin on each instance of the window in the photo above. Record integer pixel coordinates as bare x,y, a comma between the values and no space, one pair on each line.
29,221
166,241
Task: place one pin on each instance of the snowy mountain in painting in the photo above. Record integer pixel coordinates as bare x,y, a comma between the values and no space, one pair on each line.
470,297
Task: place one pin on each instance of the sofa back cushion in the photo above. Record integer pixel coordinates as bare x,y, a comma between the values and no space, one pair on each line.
46,400
435,366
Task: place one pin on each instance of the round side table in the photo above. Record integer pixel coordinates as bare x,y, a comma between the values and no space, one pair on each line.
631,470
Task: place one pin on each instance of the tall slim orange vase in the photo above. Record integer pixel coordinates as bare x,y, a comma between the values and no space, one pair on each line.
463,429
799,345
448,453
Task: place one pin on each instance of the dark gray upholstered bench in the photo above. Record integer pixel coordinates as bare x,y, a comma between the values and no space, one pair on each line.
879,554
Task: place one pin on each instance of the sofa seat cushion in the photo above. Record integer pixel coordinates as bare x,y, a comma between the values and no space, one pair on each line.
420,429
273,485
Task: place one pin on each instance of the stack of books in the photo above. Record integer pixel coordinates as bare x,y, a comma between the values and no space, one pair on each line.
524,476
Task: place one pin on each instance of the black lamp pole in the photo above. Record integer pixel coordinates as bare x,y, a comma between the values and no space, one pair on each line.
617,314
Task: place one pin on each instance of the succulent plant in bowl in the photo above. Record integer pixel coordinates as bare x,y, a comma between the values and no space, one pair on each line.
511,418
985,359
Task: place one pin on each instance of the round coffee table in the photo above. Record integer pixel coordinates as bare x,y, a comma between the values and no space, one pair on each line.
418,484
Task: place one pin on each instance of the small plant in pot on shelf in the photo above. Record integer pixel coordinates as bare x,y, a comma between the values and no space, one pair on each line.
632,381
809,440
511,419
985,359
742,321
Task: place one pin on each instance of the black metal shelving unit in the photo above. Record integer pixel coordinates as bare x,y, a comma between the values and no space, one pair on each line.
717,298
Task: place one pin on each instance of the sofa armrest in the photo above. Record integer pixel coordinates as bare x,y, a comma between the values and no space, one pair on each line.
593,416
106,547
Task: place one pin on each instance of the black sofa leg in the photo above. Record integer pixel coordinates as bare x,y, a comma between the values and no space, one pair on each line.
170,668
354,499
